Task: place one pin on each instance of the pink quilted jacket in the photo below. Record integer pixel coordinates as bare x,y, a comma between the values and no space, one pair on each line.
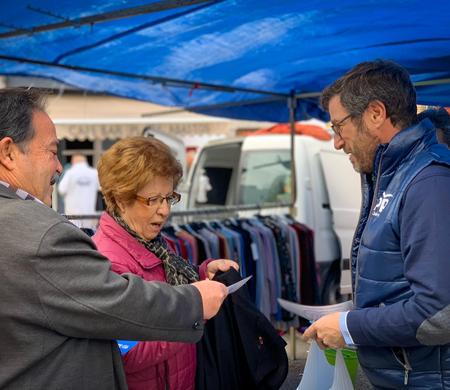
151,365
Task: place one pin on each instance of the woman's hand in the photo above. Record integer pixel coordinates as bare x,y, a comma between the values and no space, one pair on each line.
220,265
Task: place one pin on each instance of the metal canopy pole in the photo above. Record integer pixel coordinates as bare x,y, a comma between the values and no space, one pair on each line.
292,104
154,79
205,210
103,17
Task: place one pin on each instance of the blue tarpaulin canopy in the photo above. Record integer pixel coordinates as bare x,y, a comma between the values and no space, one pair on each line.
235,58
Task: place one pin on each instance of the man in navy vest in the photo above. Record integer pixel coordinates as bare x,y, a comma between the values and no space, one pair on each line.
401,249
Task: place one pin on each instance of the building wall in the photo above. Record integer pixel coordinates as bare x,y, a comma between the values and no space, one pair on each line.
90,123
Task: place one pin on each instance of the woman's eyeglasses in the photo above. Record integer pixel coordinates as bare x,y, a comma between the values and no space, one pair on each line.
157,201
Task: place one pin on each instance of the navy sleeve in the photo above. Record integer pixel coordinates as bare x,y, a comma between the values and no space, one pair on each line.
425,245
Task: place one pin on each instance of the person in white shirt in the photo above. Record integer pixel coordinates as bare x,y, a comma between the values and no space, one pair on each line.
204,186
79,187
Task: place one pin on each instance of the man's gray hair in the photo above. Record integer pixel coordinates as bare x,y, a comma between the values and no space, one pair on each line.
16,113
380,80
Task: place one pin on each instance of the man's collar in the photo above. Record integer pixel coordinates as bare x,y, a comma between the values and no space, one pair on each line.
408,141
22,194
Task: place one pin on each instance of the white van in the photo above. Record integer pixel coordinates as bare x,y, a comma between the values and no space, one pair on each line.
256,170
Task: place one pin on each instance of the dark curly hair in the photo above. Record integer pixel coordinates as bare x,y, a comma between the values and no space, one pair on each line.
16,113
380,80
440,119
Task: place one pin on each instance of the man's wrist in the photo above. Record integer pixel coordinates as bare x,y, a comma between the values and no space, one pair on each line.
344,328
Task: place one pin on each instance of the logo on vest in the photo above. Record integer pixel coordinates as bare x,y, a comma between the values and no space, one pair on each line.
381,204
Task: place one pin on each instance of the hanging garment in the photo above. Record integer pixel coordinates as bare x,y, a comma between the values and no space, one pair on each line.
309,287
287,280
240,348
276,250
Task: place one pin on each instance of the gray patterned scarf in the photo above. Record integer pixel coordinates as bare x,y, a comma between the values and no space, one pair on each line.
178,271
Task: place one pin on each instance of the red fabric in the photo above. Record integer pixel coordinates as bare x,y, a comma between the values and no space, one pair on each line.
192,242
170,243
223,247
183,252
203,269
300,128
151,364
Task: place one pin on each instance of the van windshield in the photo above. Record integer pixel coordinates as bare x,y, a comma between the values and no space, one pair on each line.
266,177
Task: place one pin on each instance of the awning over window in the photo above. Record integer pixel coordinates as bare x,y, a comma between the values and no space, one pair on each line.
101,129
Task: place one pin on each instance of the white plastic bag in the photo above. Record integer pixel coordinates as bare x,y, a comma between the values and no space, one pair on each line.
318,373
341,379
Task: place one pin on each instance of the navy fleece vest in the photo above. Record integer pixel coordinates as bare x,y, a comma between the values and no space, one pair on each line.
377,261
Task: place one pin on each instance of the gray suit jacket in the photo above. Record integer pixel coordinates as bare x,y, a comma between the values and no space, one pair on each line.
61,306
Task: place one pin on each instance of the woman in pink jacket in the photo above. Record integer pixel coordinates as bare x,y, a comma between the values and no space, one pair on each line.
138,176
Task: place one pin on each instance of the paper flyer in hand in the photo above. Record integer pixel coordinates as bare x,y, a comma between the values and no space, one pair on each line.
313,313
126,345
236,286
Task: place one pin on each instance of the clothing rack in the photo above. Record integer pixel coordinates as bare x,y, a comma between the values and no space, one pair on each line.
85,216
204,211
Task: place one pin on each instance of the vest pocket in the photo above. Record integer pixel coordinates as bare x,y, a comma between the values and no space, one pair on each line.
401,357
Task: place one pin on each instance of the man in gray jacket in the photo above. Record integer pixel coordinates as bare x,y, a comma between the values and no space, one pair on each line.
62,307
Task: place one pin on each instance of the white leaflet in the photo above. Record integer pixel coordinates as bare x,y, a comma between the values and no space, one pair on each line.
236,286
313,313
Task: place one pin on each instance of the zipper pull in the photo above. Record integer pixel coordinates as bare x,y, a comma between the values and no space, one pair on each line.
408,367
405,381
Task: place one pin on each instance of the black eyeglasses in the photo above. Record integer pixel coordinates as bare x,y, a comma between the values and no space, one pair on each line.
157,201
337,127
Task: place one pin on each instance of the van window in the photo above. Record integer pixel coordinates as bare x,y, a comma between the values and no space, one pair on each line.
266,177
219,182
214,176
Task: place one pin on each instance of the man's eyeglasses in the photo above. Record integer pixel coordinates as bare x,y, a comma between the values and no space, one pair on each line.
337,127
157,201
